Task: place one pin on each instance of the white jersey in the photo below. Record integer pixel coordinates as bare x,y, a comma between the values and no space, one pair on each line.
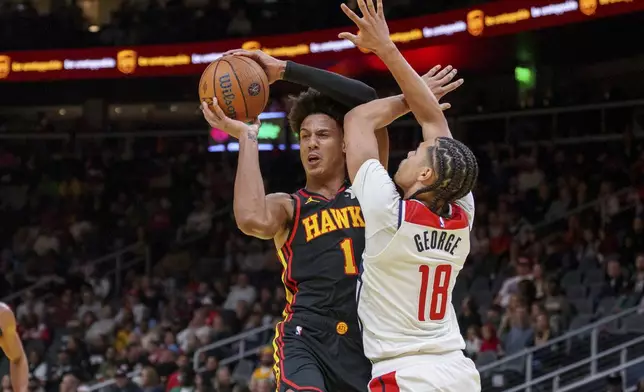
411,261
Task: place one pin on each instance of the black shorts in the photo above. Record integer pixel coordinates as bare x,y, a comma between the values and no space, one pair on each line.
317,354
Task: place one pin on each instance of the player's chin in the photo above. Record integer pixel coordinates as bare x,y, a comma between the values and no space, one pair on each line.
314,171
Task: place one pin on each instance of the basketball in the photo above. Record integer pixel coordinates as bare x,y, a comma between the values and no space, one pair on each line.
239,84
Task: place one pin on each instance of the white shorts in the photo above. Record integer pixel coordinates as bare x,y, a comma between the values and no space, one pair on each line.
451,372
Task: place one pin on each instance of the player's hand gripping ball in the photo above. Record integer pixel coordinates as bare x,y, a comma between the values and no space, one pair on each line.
239,85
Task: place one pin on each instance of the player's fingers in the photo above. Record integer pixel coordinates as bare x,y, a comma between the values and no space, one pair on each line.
348,36
232,52
216,110
433,71
381,10
445,106
352,15
363,8
452,86
371,8
210,117
256,124
443,72
449,77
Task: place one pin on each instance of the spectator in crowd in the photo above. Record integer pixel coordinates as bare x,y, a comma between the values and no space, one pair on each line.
123,384
473,341
150,380
616,282
69,383
265,369
242,291
223,380
6,383
523,271
520,333
186,381
490,341
469,316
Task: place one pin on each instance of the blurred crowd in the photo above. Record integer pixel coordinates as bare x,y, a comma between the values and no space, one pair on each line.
166,21
208,282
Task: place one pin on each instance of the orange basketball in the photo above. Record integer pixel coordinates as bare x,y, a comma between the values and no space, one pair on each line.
239,84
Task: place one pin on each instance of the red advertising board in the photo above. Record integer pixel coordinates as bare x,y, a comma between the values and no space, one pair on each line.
321,48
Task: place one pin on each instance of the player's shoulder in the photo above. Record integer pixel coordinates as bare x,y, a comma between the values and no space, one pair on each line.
7,318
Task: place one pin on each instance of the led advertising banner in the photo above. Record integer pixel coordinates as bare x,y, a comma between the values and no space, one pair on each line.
318,48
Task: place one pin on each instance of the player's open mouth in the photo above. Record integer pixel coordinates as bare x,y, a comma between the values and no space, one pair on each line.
313,158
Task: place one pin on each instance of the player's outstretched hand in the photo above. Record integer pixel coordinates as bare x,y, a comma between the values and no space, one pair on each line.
273,67
217,119
441,82
374,32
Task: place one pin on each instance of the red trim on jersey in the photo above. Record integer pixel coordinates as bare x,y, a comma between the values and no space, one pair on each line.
385,383
304,193
296,221
419,214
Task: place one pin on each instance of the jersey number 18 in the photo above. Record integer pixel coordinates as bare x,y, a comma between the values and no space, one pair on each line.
439,293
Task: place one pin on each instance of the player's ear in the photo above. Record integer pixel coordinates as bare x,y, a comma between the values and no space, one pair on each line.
426,175
344,147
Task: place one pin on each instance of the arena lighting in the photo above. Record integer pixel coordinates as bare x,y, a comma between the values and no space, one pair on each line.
267,130
315,48
523,75
234,147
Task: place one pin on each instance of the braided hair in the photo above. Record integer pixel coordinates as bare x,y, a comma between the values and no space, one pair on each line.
456,169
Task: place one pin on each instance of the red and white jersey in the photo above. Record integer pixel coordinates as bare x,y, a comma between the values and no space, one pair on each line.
411,261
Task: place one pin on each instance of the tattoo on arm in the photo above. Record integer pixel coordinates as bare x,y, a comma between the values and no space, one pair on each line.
252,136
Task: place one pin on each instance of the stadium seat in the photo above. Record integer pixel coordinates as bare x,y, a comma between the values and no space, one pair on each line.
570,279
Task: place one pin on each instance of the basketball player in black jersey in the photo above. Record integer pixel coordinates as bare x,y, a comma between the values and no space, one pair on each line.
318,230
12,348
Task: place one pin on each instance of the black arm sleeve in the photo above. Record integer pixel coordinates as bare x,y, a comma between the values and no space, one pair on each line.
347,91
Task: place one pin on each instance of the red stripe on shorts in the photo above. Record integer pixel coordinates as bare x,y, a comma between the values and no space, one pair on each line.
384,383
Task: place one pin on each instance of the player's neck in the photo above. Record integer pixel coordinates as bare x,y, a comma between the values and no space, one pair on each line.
327,187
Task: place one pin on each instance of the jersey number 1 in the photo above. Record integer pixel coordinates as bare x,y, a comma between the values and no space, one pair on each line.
440,292
350,267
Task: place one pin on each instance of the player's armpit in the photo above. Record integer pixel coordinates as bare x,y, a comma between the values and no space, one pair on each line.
269,223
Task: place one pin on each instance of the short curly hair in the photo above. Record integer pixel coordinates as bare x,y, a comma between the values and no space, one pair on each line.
313,102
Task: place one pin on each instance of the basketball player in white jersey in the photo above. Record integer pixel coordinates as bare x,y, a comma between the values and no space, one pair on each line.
415,245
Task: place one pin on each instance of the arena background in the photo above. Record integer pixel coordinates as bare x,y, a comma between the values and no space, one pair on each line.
119,252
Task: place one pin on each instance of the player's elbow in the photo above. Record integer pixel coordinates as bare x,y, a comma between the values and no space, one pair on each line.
358,117
370,94
254,226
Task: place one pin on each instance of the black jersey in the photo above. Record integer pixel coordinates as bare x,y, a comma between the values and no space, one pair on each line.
322,255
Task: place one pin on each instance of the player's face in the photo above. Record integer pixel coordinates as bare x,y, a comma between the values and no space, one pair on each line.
321,145
416,168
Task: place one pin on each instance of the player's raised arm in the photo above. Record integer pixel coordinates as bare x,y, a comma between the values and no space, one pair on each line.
360,122
374,36
12,347
256,214
347,91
